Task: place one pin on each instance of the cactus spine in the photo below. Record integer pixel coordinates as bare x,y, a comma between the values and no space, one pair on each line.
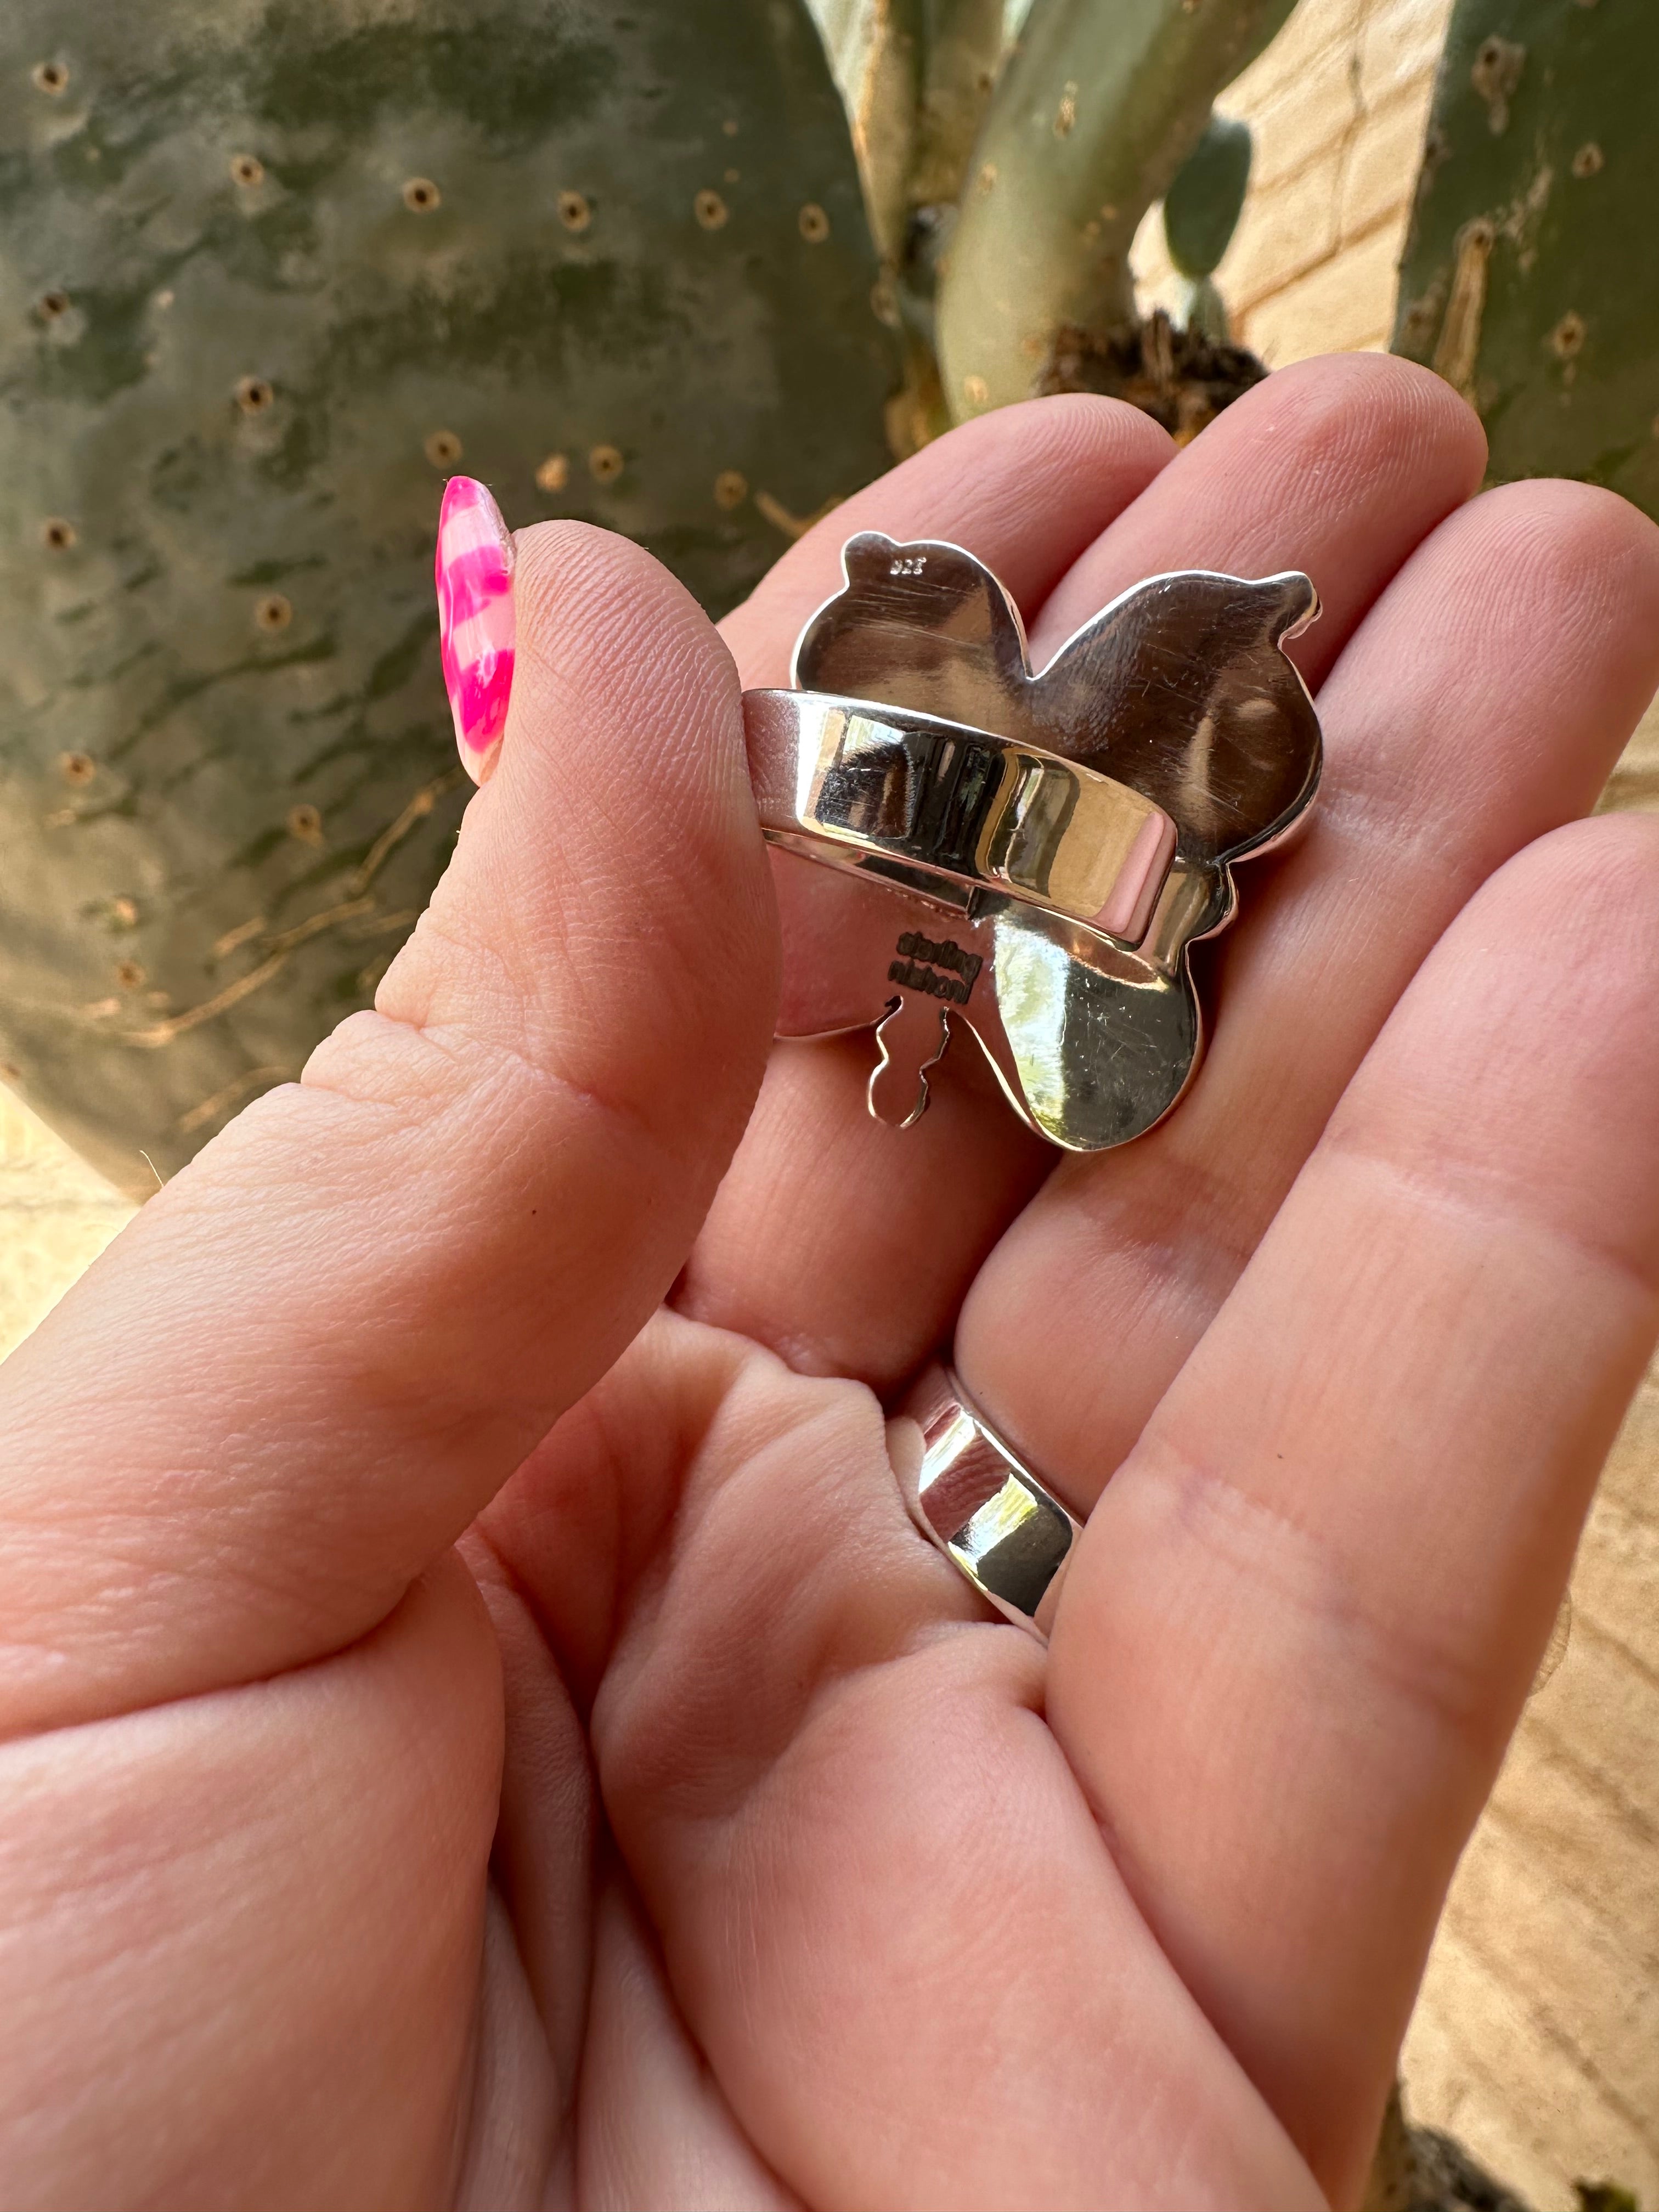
1529,277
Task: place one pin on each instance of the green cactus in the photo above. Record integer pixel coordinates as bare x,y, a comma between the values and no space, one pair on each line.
271,270
1529,277
1200,213
916,76
1098,108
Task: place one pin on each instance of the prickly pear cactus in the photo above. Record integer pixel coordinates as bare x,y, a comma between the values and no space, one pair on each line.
1200,214
1097,109
1531,272
916,76
269,271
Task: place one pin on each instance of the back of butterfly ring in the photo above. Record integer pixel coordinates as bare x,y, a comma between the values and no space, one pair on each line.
1028,855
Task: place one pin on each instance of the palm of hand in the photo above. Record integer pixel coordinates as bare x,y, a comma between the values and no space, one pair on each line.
793,1879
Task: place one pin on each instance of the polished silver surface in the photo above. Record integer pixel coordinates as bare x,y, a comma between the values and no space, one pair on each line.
971,1497
956,804
1048,846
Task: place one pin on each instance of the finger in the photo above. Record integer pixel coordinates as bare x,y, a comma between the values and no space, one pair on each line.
652,2128
1305,1613
872,1238
813,1757
300,1372
844,1244
1482,704
1338,466
240,1938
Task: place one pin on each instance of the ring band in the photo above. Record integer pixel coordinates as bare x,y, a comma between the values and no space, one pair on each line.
955,811
972,1499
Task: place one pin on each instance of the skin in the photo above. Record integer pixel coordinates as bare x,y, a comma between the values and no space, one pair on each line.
479,1727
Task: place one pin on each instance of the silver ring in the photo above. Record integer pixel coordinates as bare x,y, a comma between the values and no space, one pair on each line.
934,807
1054,839
975,1501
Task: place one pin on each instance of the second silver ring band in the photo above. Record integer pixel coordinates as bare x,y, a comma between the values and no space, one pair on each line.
974,1499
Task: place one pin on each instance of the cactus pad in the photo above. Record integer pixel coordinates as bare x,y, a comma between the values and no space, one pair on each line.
1531,274
1096,113
271,269
1202,206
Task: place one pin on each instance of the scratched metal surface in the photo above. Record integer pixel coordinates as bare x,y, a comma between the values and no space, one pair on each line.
1179,692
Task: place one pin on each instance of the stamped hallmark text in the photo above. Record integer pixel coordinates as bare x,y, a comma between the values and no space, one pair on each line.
914,971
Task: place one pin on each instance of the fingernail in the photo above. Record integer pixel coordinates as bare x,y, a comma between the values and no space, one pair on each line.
476,626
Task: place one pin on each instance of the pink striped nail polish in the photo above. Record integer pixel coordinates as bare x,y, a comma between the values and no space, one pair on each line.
476,626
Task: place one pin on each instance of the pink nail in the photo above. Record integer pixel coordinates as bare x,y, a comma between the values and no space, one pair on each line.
476,626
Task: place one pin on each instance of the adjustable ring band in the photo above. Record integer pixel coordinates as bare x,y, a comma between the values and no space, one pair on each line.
955,810
976,1502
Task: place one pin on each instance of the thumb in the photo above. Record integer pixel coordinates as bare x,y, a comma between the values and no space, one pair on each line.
297,1376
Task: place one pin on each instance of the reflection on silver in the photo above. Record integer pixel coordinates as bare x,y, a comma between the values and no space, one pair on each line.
1057,842
961,804
971,1497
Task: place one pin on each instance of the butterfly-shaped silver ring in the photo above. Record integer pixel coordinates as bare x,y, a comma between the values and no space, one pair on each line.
1035,854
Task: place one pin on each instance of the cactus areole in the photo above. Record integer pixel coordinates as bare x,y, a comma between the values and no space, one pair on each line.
1532,271
269,271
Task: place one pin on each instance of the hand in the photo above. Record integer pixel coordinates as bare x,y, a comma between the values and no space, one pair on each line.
480,1727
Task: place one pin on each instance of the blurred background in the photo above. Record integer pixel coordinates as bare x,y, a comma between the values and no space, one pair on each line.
1536,2038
